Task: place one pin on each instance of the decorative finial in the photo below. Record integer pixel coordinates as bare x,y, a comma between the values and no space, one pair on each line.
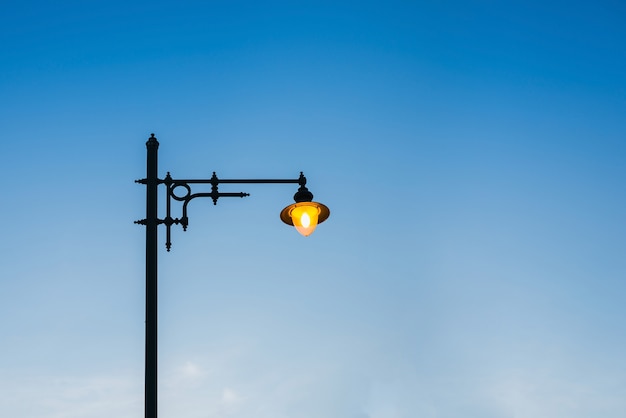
152,141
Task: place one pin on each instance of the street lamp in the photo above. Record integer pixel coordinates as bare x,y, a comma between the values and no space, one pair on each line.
304,215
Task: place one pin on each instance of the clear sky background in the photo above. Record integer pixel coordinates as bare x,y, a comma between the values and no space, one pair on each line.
472,155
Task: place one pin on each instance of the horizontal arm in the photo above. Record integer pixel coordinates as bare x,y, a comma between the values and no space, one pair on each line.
214,180
240,181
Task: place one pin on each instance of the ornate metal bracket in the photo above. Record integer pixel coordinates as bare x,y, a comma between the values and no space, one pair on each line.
180,190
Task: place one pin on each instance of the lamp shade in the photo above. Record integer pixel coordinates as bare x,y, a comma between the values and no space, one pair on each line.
305,216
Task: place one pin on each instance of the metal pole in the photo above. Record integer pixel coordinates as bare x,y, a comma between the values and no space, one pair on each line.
152,183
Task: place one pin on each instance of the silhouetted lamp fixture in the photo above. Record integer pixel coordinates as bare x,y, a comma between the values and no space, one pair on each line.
304,215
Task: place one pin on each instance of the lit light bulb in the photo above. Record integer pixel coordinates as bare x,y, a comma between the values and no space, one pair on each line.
305,218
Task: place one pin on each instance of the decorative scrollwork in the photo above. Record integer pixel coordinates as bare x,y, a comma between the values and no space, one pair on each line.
174,185
185,185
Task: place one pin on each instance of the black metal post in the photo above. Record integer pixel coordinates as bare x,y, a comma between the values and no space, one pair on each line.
152,222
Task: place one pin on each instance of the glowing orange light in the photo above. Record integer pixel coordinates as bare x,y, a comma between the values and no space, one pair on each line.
305,216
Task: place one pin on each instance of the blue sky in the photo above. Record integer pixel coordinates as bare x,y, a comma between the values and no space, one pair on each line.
471,153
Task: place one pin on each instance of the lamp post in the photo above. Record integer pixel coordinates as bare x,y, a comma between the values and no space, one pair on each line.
304,215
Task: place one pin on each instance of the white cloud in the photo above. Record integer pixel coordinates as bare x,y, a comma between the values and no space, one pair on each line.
191,370
239,386
230,397
539,394
71,397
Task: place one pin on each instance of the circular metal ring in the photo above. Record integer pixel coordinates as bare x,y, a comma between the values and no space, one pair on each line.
180,198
